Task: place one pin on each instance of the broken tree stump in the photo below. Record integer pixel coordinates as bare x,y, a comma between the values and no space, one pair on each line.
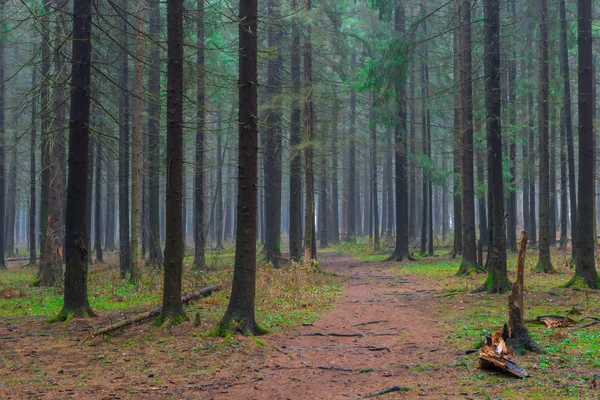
518,336
495,356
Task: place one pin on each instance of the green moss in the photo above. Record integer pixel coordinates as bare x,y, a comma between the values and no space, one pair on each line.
170,319
496,284
578,282
545,267
466,268
67,315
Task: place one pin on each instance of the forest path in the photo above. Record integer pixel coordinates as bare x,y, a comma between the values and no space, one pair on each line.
405,348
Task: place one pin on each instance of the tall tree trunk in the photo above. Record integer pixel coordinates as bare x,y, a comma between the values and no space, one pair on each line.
552,210
351,209
76,295
532,227
136,143
497,281
172,308
11,194
90,194
295,230
374,198
585,269
564,199
457,142
544,263
219,191
390,188
33,172
309,118
412,202
335,223
109,229
98,199
199,215
511,217
564,70
240,311
481,201
45,139
401,250
323,192
52,260
468,200
274,143
124,244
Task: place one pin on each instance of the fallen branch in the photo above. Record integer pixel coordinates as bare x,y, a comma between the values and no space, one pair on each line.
334,368
207,291
384,391
553,321
378,321
358,334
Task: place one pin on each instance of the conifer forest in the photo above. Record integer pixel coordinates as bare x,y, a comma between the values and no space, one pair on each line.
299,199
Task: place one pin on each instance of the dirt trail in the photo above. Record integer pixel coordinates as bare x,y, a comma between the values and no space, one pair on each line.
404,347
407,349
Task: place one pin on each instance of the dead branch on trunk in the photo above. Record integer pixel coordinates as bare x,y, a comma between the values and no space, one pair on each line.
152,313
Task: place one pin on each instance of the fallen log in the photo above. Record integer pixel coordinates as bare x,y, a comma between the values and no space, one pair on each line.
553,321
207,291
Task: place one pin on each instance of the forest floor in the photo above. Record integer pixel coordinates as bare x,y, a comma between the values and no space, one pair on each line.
411,325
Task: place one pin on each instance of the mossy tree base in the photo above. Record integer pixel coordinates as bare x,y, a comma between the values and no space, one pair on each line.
170,319
67,315
579,282
230,325
523,342
545,267
495,284
467,268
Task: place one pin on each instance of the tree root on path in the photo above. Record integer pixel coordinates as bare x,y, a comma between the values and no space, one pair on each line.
357,334
334,368
383,391
152,313
377,321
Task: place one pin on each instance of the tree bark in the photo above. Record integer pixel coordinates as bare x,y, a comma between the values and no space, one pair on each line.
511,217
199,229
295,229
351,209
585,269
564,70
401,250
240,311
124,244
497,281
544,263
309,117
468,200
374,198
98,200
274,142
33,172
76,296
172,307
